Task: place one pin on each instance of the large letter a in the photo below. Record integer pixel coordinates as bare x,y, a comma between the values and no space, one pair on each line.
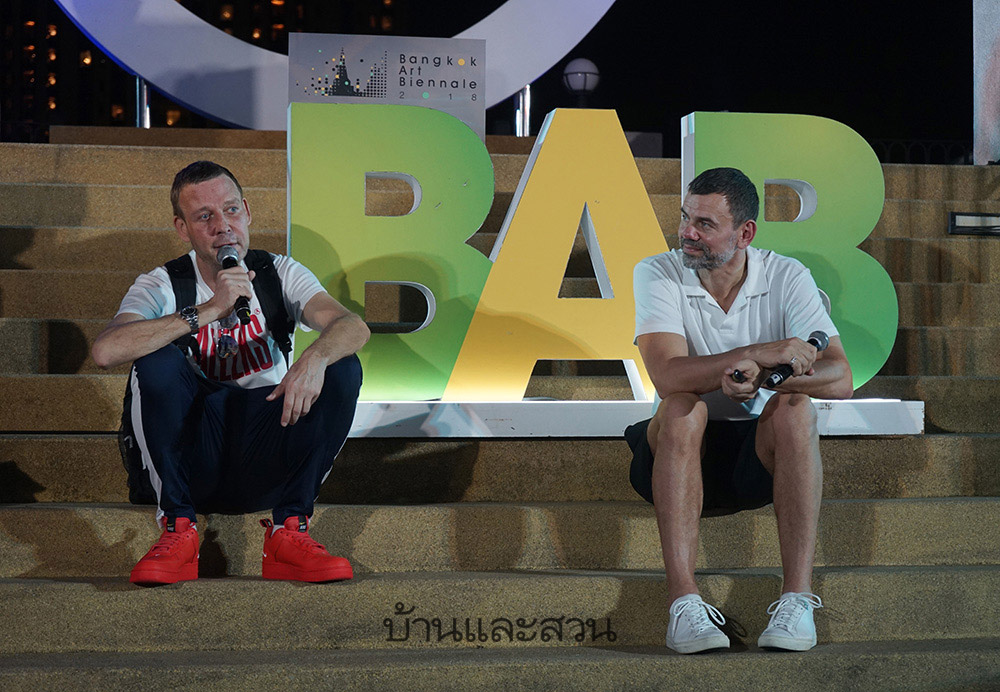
581,174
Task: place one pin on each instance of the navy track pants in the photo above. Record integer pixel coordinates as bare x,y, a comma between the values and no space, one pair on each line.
216,447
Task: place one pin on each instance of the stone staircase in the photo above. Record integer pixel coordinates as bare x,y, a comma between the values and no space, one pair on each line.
514,564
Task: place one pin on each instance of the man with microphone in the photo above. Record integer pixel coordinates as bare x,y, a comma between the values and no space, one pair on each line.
222,421
715,319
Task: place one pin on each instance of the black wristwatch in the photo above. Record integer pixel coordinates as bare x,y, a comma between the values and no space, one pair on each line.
190,313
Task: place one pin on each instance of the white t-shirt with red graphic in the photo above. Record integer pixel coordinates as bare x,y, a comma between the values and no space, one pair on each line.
259,362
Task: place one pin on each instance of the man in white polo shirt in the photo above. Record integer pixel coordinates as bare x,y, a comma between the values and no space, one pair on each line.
713,320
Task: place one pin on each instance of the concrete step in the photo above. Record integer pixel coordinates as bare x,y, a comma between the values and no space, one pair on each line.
147,207
92,403
87,468
863,604
35,345
957,351
74,294
153,165
64,294
954,404
61,164
951,259
116,206
39,346
60,346
54,541
948,304
957,664
908,181
101,165
102,249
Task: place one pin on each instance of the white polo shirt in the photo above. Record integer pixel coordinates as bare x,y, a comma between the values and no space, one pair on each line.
778,300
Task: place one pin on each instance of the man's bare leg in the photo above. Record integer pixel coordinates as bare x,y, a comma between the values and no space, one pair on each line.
788,447
675,435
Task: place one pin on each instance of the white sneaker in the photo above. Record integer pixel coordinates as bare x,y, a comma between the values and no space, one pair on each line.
691,629
791,627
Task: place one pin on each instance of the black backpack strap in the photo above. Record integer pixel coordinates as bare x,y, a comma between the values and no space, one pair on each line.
267,287
183,281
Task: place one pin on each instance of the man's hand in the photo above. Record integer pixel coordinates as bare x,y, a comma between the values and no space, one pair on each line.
341,333
751,375
796,353
230,284
300,386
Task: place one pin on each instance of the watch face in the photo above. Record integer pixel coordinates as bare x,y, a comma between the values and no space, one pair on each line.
190,311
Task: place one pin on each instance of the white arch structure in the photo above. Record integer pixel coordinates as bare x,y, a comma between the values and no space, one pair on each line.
234,82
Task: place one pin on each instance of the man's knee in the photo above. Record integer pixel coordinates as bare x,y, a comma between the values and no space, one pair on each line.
787,418
160,369
342,382
791,412
681,419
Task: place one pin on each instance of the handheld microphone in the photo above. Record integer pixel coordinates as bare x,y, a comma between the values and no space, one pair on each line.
228,257
781,373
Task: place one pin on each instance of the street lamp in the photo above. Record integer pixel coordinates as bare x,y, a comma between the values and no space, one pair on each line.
580,77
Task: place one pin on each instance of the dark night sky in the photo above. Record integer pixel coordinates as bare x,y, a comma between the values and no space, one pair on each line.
890,72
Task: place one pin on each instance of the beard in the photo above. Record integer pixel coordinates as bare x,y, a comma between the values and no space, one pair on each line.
707,259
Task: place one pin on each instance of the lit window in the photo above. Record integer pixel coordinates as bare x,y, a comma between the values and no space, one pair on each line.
256,33
52,103
117,111
52,78
226,12
386,23
30,47
387,3
277,3
52,54
85,58
53,30
277,27
30,22
173,116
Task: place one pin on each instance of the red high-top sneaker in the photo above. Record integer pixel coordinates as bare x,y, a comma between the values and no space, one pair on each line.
291,553
173,558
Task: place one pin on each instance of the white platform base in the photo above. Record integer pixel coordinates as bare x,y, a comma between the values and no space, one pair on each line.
436,419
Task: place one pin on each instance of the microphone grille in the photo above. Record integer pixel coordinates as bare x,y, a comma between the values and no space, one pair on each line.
821,339
227,252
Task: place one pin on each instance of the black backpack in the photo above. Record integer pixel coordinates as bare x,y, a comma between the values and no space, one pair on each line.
267,287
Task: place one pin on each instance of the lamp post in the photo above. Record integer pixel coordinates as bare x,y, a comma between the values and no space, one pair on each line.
522,112
580,77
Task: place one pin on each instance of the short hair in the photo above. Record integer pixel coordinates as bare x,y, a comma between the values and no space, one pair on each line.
194,173
735,186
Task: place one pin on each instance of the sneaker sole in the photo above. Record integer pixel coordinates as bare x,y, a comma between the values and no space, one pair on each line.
285,573
708,644
785,643
153,576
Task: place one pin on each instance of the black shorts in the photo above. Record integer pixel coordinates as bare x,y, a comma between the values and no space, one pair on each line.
733,478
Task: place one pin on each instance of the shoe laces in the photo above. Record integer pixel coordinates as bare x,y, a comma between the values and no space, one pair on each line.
786,610
168,541
306,542
698,613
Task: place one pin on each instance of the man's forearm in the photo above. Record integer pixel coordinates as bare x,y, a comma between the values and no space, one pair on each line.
342,337
695,374
831,379
125,342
